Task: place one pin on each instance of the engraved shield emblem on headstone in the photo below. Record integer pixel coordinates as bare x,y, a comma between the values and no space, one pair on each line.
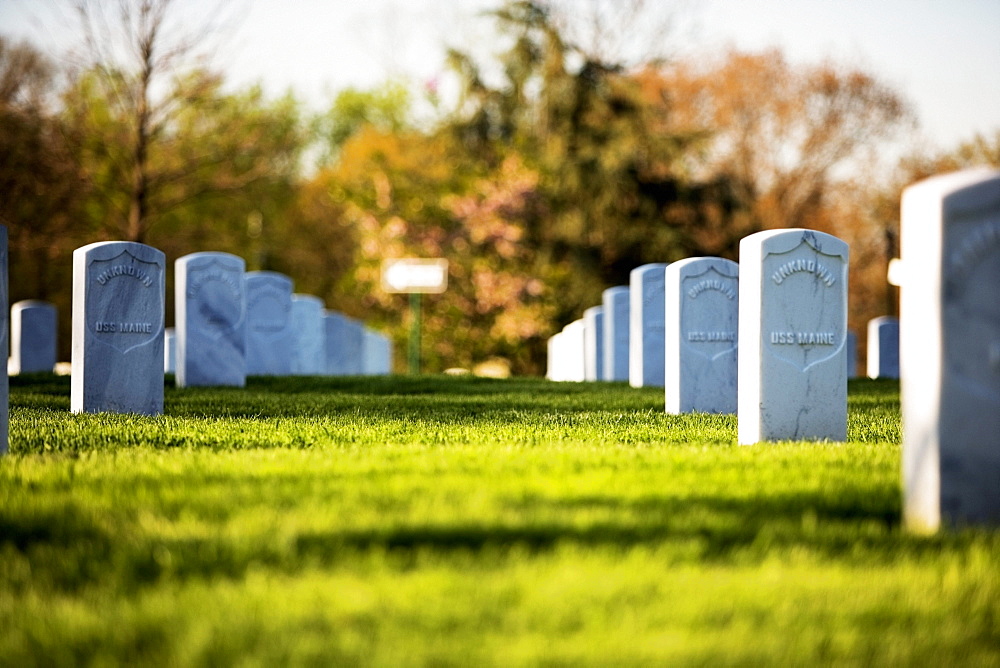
713,332
803,318
216,300
972,276
124,306
270,311
652,302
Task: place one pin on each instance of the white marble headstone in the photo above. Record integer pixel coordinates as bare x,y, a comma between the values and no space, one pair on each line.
883,347
593,343
792,335
310,336
377,355
616,323
270,339
555,364
33,327
702,313
118,296
572,342
211,323
170,350
950,350
336,330
354,345
4,300
646,326
852,355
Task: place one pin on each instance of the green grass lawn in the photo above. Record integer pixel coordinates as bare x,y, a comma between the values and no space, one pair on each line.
463,521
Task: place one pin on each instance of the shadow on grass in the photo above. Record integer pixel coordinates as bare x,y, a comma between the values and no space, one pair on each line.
856,526
311,396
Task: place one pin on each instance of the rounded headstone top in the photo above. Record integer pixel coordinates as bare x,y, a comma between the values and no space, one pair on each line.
645,269
615,291
307,299
271,277
31,303
722,265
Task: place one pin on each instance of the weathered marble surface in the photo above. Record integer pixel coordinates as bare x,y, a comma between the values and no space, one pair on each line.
702,313
118,312
344,344
883,347
950,350
211,320
646,325
572,355
309,358
354,345
270,339
792,334
593,343
170,350
852,355
33,336
616,340
377,354
555,366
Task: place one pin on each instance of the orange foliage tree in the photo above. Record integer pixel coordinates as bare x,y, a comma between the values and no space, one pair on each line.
416,195
781,137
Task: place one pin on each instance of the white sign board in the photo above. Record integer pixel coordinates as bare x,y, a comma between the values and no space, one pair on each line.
421,275
896,272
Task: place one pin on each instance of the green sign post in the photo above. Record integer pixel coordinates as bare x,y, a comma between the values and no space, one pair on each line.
416,277
414,356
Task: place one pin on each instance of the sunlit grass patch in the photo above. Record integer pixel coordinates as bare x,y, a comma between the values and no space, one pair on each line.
399,521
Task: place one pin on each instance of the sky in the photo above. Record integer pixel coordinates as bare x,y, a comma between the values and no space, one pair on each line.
942,55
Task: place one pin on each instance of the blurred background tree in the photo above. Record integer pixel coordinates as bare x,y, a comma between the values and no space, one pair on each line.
43,187
574,155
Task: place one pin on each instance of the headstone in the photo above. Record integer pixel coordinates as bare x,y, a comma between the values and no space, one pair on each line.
118,296
616,323
573,344
555,368
950,350
852,355
883,347
4,300
593,343
702,314
33,327
309,358
792,335
354,344
211,310
646,326
377,355
270,338
344,344
170,350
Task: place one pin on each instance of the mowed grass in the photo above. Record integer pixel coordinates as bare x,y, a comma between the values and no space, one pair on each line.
463,521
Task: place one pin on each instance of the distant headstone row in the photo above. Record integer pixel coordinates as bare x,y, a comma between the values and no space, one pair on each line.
783,312
229,324
771,345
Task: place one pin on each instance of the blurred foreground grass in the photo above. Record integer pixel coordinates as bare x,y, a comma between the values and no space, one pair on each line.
458,521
